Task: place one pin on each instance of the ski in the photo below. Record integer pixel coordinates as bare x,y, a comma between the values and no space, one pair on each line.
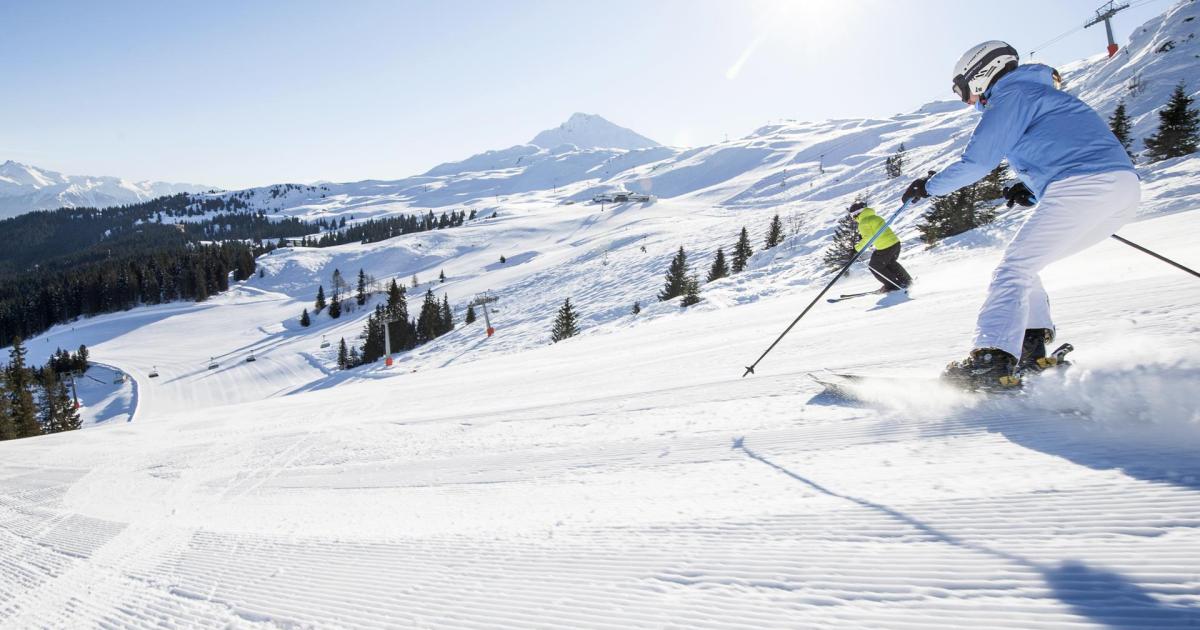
858,387
850,296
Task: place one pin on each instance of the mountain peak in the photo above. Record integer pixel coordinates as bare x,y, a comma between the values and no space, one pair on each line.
24,188
589,131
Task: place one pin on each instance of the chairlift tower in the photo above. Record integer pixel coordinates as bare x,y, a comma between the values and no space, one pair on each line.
1105,14
387,341
484,299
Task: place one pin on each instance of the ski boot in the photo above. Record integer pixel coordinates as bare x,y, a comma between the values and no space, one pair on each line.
989,369
1033,351
1055,359
1034,346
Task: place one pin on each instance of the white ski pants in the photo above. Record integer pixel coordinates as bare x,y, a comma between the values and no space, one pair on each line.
1072,215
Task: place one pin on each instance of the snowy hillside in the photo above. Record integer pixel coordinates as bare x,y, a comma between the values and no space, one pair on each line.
24,188
630,477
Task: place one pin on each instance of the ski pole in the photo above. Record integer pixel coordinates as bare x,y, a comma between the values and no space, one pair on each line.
750,368
1158,256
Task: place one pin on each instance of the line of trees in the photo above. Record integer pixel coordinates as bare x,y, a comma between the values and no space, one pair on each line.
434,319
32,302
374,230
964,209
35,401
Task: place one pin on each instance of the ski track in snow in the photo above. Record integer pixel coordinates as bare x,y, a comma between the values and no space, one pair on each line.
849,522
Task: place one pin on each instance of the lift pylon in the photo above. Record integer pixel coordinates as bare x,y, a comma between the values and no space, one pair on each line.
484,299
1105,14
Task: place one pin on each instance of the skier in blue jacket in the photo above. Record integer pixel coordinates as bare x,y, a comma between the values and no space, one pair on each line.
1070,164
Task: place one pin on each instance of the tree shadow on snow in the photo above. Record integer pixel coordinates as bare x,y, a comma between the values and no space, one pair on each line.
1105,597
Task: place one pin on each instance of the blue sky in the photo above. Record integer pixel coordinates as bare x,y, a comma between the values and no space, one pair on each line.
247,93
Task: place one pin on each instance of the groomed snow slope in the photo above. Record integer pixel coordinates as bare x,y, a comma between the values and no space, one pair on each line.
630,477
633,479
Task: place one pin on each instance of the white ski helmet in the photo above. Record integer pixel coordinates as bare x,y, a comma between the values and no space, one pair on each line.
979,66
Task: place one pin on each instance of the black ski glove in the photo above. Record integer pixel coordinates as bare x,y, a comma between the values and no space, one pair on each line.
1019,193
916,190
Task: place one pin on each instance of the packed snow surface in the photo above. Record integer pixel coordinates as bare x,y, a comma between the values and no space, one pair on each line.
630,477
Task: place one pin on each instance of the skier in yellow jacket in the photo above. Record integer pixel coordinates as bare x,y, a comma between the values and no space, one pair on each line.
885,261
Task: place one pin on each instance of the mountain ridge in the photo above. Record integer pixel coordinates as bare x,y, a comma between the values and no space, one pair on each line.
25,188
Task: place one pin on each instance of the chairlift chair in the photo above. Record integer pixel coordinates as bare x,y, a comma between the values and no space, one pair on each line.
212,364
251,359
153,372
324,342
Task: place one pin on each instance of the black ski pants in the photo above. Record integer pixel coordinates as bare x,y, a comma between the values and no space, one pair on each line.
885,264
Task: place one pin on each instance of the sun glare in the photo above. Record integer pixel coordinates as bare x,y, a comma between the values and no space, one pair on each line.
792,24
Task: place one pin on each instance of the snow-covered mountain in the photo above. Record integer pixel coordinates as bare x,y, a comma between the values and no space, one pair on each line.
589,131
781,164
24,188
630,477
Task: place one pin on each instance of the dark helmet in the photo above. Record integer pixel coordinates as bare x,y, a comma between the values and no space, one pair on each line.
857,207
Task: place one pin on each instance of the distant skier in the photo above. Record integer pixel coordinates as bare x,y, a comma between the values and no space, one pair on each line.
885,261
1069,163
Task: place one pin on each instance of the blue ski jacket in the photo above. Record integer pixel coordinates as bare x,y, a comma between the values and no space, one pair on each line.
1045,133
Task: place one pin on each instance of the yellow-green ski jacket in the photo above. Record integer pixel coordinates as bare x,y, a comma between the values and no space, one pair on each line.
868,224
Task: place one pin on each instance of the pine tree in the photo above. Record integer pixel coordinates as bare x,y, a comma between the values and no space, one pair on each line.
400,329
953,214
742,252
339,283
894,164
637,307
360,295
415,282
991,187
373,343
565,323
691,292
335,306
304,320
8,430
470,318
845,237
343,356
429,320
1178,128
503,259
442,276
719,269
65,412
447,316
19,382
320,303
1122,127
45,402
676,279
57,410
964,209
396,305
774,232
